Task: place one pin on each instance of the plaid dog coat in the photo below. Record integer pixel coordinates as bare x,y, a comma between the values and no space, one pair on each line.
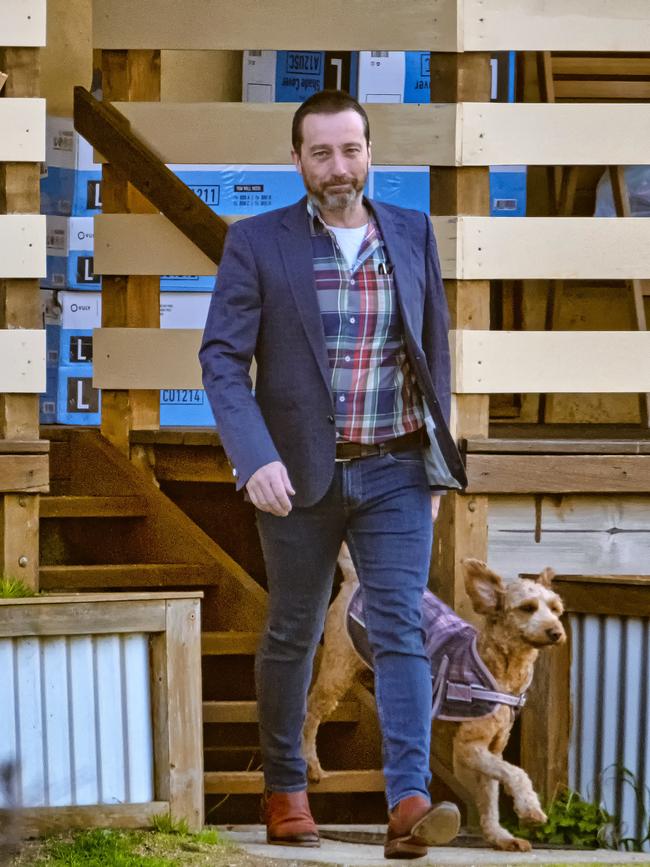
463,688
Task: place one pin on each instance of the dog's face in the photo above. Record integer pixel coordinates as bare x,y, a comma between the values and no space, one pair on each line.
525,609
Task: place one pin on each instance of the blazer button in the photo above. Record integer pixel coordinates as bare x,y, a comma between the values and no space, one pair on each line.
330,419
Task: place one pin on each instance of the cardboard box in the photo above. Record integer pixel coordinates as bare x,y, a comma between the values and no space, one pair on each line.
394,76
78,402
71,183
293,76
70,247
51,315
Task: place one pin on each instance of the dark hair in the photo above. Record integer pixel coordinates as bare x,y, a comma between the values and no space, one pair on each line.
326,102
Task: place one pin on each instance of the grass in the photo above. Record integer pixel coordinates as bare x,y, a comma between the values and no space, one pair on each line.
14,588
109,848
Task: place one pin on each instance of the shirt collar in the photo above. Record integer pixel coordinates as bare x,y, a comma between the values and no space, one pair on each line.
317,224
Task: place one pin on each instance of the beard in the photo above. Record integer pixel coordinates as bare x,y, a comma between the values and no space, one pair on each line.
337,199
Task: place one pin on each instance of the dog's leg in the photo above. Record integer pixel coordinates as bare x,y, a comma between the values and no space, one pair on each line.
514,780
338,667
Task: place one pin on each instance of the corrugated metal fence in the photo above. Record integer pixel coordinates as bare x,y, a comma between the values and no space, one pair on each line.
75,716
609,756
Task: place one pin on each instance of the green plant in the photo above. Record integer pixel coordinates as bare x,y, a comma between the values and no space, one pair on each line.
164,824
14,588
572,821
101,848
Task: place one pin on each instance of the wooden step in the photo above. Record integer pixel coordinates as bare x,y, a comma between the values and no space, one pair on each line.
229,643
252,782
246,712
107,577
93,507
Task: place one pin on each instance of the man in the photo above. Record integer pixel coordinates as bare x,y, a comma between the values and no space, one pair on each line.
340,300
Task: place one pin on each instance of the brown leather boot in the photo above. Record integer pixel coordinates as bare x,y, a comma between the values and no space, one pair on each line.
288,819
415,824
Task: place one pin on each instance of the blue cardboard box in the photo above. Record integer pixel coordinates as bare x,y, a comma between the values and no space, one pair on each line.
293,76
78,402
71,184
70,251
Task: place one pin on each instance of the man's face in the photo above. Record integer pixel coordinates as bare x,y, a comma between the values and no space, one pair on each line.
334,158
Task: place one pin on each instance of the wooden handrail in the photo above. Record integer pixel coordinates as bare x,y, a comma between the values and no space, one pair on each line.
110,132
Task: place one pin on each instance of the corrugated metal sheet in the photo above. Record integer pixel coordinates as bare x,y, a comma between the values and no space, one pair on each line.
609,690
75,715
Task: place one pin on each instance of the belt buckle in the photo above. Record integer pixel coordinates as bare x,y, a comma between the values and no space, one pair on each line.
342,460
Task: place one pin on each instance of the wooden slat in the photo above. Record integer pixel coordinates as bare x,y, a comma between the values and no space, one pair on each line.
67,598
22,122
483,25
558,474
547,248
192,464
80,617
17,447
232,132
146,358
127,575
252,782
229,643
548,446
467,134
93,507
246,712
22,360
24,474
617,595
23,23
470,248
22,245
220,24
612,90
43,821
598,65
492,362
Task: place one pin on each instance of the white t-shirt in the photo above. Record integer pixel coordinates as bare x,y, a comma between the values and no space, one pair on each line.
350,241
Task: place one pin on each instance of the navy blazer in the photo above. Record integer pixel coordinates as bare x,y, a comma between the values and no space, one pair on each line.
265,306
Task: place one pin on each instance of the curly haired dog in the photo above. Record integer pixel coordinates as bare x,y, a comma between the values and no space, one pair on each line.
519,618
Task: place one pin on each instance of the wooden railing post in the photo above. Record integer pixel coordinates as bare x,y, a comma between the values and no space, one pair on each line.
19,308
132,302
461,529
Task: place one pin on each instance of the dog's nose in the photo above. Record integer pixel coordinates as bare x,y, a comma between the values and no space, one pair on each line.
554,634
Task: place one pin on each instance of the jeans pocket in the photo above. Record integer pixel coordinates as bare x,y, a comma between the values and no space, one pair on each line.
411,456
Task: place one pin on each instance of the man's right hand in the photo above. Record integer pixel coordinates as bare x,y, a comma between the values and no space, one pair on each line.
269,489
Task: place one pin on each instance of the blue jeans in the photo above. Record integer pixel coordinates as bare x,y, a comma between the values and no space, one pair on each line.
382,506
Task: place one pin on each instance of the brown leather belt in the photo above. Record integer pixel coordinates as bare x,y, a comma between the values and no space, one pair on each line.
347,451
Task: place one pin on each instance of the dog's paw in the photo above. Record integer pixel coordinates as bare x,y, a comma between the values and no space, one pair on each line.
314,772
536,816
507,843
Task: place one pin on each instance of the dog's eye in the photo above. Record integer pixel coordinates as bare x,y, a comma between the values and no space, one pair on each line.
528,607
556,609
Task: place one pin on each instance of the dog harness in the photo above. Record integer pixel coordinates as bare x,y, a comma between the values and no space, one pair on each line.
463,688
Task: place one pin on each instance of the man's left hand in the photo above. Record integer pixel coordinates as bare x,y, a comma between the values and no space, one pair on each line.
435,505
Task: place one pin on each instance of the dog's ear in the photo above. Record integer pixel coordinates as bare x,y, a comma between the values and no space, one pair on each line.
484,587
545,577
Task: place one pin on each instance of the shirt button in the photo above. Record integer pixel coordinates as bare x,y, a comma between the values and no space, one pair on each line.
351,282
342,399
347,358
352,320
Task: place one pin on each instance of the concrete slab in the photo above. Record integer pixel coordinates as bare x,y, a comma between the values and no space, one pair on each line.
252,839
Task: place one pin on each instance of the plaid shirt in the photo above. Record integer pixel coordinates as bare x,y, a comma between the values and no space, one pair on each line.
374,391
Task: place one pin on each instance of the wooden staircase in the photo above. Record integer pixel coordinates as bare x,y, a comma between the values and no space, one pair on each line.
107,526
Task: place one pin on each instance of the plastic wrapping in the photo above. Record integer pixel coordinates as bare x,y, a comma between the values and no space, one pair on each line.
637,180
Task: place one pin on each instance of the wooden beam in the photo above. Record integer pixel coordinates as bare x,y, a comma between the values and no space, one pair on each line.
556,446
44,821
437,25
146,358
17,447
22,245
93,507
191,464
128,301
476,133
22,122
252,782
220,24
24,23
80,617
246,712
558,474
585,362
22,361
128,575
23,474
103,126
616,595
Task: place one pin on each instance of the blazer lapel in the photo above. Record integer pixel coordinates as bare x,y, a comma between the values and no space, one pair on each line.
398,247
295,247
